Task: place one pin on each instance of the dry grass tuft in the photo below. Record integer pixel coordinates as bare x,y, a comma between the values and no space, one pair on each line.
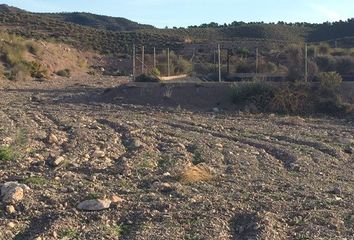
196,174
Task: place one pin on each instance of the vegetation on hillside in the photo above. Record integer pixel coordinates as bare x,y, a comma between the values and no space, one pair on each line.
41,26
110,35
24,59
15,66
98,21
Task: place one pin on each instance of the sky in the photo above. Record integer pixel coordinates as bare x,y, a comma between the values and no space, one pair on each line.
182,13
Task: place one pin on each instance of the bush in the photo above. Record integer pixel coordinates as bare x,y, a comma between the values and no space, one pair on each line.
33,48
295,59
6,154
155,72
258,93
37,70
64,73
271,67
292,99
204,68
13,54
329,80
182,66
19,72
245,67
326,63
344,65
333,106
147,78
242,52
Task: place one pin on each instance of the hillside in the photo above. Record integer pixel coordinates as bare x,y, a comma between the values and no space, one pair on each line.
111,35
98,21
25,59
43,27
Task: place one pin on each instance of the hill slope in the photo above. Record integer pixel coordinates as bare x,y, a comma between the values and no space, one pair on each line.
110,35
41,26
98,21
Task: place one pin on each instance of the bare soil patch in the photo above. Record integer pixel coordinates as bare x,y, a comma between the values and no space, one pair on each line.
271,177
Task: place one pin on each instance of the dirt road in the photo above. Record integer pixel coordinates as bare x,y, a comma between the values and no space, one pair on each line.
169,173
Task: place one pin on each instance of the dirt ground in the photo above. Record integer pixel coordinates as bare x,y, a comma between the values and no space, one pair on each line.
170,173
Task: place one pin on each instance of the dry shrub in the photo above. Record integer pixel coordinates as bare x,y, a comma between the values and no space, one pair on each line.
291,100
330,80
196,174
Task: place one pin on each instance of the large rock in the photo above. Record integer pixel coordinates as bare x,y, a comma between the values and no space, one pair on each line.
12,192
98,154
58,161
94,205
52,139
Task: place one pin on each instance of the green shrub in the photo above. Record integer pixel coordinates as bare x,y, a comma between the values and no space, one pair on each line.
37,70
333,105
33,48
258,93
147,78
34,181
64,73
182,66
242,52
6,154
155,72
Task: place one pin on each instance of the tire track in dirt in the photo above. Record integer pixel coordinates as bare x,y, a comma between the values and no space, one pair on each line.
288,159
322,147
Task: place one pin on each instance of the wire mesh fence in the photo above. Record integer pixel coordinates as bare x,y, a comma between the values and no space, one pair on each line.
245,60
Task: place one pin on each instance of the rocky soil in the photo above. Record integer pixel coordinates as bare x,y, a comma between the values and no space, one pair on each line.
72,167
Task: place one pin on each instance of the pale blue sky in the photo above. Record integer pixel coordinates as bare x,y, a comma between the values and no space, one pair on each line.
171,13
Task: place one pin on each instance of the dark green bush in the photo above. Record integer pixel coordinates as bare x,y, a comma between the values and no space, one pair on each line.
245,67
333,105
258,93
326,63
37,70
182,66
6,154
344,65
147,78
64,73
155,72
33,48
295,98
